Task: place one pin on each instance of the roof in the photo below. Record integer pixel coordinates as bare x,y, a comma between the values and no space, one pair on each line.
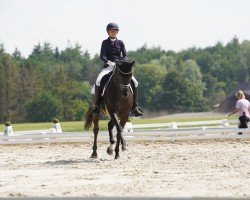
228,103
245,87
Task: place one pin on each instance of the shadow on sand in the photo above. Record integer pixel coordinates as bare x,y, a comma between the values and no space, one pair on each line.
76,161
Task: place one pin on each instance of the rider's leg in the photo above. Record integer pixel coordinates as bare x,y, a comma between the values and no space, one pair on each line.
96,100
137,109
95,108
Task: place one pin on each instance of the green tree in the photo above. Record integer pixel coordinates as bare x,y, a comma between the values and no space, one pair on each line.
191,72
181,95
144,54
43,108
150,79
79,108
9,96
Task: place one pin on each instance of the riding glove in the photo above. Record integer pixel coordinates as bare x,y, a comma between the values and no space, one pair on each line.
111,64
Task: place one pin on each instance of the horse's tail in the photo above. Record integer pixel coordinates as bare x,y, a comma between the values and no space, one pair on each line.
88,120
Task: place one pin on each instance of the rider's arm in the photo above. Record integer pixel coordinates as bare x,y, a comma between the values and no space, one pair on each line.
103,52
233,112
124,52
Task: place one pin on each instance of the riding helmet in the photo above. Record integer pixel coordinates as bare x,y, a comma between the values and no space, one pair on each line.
113,26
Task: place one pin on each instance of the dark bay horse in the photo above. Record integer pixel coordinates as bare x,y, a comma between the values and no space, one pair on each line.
117,103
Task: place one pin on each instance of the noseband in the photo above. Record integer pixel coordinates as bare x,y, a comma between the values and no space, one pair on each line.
124,87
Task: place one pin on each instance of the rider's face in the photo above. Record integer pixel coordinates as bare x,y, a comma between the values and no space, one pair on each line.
112,33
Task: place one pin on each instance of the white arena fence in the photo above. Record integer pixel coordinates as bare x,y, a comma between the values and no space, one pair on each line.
185,124
216,129
174,135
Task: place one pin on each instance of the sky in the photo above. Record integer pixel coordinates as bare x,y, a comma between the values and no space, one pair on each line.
170,24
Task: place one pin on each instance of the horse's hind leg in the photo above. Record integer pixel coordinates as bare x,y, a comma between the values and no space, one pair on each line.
95,130
110,148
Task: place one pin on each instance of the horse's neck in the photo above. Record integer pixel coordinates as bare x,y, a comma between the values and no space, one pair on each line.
114,81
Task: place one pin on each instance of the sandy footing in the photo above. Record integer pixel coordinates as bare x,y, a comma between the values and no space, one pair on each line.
180,169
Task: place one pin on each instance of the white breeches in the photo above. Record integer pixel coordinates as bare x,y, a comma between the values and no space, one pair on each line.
135,81
103,73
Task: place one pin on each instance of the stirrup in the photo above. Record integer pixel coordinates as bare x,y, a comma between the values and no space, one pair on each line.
94,109
138,111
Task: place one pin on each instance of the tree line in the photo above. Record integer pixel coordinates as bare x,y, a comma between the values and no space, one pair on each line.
56,83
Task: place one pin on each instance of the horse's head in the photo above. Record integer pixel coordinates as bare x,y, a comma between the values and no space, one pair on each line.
124,74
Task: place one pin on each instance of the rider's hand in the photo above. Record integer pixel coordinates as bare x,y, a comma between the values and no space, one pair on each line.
111,64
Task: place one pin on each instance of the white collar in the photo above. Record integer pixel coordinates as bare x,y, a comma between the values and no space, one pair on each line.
112,39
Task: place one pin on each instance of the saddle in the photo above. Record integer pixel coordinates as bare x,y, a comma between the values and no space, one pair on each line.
105,81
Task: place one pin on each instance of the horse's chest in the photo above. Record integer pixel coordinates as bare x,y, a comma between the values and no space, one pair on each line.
119,103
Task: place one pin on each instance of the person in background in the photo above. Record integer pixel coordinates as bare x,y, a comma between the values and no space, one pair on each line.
242,107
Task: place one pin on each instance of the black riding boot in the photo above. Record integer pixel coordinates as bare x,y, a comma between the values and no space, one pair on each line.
136,109
95,108
243,122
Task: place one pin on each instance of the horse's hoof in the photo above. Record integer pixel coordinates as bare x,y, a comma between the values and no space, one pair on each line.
110,151
124,148
94,155
117,156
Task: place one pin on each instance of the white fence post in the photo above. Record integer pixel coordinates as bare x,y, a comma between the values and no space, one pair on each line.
224,123
8,130
173,125
128,128
57,127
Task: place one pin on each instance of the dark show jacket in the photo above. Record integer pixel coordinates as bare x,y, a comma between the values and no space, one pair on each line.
112,50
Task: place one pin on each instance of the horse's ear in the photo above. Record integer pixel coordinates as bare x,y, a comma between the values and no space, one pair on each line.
132,63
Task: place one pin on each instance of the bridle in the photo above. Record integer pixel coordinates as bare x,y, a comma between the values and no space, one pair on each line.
125,87
125,73
128,86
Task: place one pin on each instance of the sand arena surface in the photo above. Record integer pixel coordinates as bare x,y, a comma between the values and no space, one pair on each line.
162,169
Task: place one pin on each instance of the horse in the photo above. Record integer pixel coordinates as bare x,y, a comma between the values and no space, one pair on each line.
117,103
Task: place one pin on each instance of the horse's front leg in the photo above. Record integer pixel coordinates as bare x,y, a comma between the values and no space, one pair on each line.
123,142
118,144
115,120
95,130
110,148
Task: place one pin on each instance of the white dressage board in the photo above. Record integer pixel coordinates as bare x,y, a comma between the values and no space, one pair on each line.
143,135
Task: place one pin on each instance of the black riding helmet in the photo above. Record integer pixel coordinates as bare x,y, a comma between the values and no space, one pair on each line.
113,26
